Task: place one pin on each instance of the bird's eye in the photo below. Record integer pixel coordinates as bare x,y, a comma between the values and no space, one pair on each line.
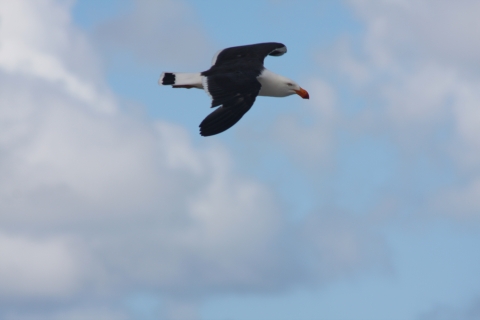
289,84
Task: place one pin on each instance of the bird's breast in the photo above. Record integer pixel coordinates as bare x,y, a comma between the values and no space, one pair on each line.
272,85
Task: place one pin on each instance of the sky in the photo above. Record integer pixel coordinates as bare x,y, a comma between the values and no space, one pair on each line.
360,203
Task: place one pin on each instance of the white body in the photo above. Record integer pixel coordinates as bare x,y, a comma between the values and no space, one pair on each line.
273,85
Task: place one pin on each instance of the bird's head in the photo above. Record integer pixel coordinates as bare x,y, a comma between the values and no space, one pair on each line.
293,88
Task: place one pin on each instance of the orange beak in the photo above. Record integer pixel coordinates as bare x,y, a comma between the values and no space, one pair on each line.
302,93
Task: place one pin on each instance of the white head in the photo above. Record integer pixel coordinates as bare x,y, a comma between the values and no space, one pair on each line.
275,85
293,88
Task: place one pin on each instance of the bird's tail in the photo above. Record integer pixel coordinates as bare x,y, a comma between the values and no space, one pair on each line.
181,80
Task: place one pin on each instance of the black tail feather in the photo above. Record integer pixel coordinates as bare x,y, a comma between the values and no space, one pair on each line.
168,78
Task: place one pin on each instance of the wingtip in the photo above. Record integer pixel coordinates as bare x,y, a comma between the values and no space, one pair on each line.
204,134
207,131
278,51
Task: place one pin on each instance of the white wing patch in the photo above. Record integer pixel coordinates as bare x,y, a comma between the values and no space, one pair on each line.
214,60
278,52
205,86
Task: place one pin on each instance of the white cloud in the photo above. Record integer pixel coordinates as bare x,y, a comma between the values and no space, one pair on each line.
103,203
177,212
32,46
182,309
459,201
424,52
417,70
340,245
444,312
100,313
159,31
38,267
441,31
311,139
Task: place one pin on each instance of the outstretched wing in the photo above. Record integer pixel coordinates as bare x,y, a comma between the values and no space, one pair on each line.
253,52
232,83
226,116
235,93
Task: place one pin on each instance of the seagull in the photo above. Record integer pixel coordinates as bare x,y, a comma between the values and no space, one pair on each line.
234,81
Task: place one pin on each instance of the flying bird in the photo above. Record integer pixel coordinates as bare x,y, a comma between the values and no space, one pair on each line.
234,81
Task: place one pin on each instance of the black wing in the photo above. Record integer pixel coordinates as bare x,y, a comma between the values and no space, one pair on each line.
235,92
252,52
232,83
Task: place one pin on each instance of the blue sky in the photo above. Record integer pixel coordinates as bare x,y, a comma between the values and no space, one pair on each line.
360,203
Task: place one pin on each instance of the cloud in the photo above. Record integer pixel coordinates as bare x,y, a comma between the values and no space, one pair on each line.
32,46
416,70
339,245
149,208
443,312
406,30
38,267
100,203
159,31
100,313
422,52
462,202
97,203
310,137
